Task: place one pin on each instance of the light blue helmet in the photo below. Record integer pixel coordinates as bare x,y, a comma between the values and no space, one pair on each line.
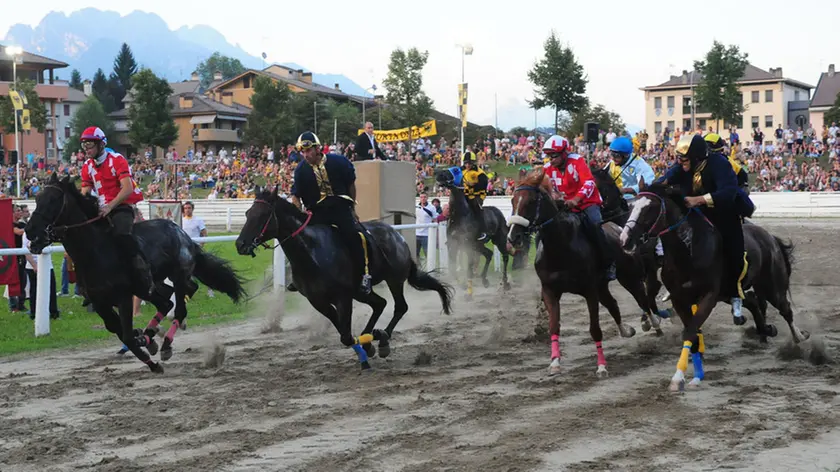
622,145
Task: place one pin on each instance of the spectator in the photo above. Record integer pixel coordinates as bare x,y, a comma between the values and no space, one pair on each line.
425,214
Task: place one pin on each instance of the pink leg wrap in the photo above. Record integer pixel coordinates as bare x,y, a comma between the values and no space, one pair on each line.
155,321
148,341
171,333
555,346
601,359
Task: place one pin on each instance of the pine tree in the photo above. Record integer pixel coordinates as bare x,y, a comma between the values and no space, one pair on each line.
124,68
76,80
559,80
102,91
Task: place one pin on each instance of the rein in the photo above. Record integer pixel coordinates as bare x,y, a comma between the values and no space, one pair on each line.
652,230
533,228
273,216
51,229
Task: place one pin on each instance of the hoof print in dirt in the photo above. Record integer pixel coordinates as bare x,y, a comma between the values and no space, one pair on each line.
423,358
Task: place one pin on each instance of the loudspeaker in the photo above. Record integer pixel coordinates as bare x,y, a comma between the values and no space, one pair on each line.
13,157
591,132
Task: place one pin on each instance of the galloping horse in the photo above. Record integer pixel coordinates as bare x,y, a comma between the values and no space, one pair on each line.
462,232
616,209
320,264
660,211
566,262
63,214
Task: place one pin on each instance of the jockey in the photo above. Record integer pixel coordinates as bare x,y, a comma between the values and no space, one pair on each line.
571,178
326,185
109,175
475,189
718,146
711,185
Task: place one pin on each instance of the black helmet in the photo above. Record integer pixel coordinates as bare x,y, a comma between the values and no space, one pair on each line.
469,156
693,147
307,140
715,142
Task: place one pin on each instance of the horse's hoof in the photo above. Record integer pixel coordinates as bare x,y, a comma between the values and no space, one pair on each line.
771,331
366,366
659,332
739,320
485,283
805,335
626,330
554,370
370,349
384,350
694,384
506,286
677,386
156,368
152,347
166,353
645,324
602,373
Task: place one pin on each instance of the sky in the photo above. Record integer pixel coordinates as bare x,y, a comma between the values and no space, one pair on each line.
622,45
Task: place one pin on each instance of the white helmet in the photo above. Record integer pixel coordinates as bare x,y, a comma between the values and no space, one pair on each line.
556,144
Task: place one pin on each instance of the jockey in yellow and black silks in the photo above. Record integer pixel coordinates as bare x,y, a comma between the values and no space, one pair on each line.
710,185
475,189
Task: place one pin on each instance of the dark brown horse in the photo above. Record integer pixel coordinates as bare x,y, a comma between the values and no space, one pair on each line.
566,262
660,211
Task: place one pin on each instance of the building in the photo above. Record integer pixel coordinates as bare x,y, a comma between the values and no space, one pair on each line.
64,114
828,88
41,70
770,100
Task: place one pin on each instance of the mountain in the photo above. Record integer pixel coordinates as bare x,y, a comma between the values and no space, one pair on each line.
171,54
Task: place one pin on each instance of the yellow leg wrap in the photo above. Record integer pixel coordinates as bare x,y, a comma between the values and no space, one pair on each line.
701,345
743,274
364,246
469,287
683,362
364,339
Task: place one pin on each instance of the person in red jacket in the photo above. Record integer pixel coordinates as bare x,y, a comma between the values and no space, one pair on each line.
107,174
572,181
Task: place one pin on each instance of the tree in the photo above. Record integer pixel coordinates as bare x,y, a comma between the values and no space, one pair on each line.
346,117
718,91
89,113
150,114
559,80
120,81
102,91
37,111
76,80
575,123
519,131
228,66
271,121
405,86
833,114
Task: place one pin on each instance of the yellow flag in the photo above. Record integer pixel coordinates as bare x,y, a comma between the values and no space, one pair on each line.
16,101
24,122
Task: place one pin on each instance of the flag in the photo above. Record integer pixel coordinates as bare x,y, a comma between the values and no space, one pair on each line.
16,100
462,104
24,120
8,264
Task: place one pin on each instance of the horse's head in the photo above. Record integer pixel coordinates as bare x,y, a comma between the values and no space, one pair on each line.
446,178
56,204
271,216
532,207
614,201
648,215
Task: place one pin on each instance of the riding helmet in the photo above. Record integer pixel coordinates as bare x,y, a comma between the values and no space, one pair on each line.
692,146
715,142
622,145
307,140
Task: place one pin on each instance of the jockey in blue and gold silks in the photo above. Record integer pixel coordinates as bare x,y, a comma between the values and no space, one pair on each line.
475,189
628,170
718,145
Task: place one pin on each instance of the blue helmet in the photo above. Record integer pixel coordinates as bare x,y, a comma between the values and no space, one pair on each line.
457,175
622,145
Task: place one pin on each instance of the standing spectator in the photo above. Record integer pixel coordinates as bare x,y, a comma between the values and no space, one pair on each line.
366,146
19,303
425,214
194,227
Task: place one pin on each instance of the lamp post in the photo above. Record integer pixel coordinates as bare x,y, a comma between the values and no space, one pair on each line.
364,102
466,50
14,52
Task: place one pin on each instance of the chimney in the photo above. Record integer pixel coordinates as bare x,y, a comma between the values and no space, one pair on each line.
194,76
227,98
684,77
307,77
777,72
337,87
185,102
217,75
831,70
87,88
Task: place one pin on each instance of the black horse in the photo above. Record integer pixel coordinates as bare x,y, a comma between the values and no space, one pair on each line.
320,263
615,208
661,211
567,262
63,214
462,232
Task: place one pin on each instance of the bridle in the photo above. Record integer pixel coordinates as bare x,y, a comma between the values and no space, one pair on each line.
531,226
273,217
646,236
51,230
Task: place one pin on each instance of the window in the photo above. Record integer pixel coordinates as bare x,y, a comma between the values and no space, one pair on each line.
701,123
796,95
246,82
754,120
768,121
671,101
657,127
66,110
686,124
768,96
657,103
671,126
687,106
66,132
754,97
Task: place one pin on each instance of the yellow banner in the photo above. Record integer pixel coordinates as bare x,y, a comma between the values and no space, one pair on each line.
24,120
16,101
425,130
462,104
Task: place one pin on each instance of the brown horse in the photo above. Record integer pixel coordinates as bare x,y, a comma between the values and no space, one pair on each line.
566,262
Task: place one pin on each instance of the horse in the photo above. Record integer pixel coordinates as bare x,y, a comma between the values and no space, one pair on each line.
321,263
63,214
567,262
462,231
660,211
615,208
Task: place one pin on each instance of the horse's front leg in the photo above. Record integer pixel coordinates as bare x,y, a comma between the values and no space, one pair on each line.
552,306
596,333
344,321
378,305
693,319
134,343
488,258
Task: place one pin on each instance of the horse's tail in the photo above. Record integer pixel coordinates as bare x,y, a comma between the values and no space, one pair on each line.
422,280
217,274
787,254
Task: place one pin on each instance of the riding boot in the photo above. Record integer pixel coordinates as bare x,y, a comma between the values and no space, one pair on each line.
607,260
475,205
141,273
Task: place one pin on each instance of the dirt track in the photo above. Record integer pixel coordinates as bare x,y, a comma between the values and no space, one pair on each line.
458,393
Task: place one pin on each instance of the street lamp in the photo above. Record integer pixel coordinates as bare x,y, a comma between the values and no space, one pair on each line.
364,102
15,53
466,50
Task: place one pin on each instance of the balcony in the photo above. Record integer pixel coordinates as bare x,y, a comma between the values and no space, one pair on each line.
216,135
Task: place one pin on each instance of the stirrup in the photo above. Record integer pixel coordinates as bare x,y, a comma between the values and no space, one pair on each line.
366,284
482,236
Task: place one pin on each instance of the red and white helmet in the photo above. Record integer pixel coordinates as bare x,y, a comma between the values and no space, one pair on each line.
93,133
556,144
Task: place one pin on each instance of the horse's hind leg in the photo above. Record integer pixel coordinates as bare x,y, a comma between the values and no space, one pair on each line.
400,308
641,295
505,257
160,298
606,299
488,257
764,330
378,305
180,315
780,300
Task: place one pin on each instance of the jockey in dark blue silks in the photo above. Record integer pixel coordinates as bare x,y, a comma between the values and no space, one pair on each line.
709,182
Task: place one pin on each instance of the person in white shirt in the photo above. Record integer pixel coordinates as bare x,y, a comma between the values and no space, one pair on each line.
194,227
424,214
32,269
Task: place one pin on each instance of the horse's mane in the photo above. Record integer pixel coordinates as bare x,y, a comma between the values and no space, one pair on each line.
668,192
87,203
285,206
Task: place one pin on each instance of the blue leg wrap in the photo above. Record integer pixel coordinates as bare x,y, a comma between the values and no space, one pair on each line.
360,351
664,314
697,360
